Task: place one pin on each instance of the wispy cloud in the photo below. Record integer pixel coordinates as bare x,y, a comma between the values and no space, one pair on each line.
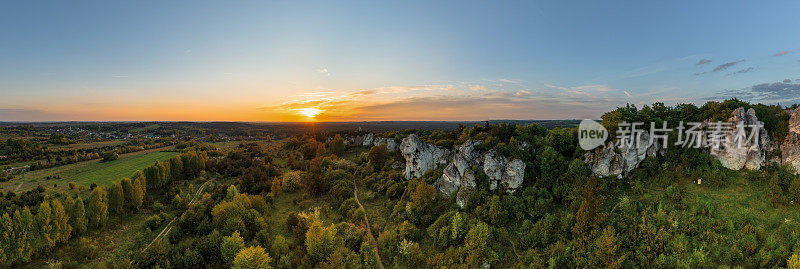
780,53
455,101
703,61
726,65
324,71
783,92
743,71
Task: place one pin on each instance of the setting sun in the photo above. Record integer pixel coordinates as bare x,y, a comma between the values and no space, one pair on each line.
309,112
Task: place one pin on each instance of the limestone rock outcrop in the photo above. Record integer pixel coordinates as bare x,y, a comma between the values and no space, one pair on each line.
459,172
458,176
420,156
610,160
738,151
370,139
790,149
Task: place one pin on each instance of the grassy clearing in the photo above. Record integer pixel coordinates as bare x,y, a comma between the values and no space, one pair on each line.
88,172
741,199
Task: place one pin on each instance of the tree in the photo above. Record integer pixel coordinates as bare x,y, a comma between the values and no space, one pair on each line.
280,246
116,197
337,145
43,235
794,189
60,222
377,156
6,239
476,244
133,194
320,241
793,262
589,213
110,156
231,246
137,195
22,236
77,218
252,258
97,208
606,249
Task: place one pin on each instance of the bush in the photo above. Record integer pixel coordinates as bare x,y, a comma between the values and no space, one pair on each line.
110,156
87,249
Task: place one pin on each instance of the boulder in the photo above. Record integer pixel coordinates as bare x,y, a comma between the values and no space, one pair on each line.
459,171
737,151
790,149
368,140
611,160
420,156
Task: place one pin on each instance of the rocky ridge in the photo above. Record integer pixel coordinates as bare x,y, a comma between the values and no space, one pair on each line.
608,160
459,176
741,153
790,149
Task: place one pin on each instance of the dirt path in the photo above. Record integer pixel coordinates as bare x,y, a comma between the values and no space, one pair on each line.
20,185
168,228
369,230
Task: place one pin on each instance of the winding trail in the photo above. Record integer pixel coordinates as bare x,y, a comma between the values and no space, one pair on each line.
168,228
369,230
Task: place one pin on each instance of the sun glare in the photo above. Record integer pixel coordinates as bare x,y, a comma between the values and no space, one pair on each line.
309,112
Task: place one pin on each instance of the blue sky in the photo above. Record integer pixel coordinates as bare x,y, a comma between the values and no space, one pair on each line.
380,60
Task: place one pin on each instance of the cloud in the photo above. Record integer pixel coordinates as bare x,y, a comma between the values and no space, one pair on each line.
780,53
703,61
701,73
324,71
742,71
454,101
726,65
627,93
779,92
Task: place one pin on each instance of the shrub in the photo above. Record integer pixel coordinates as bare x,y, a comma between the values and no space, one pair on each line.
110,156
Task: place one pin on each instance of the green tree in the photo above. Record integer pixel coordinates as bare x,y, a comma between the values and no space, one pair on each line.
6,239
60,222
320,241
476,244
23,234
231,246
97,208
116,197
43,236
337,145
280,246
252,258
377,156
77,218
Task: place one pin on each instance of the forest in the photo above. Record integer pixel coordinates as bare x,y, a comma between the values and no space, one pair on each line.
323,201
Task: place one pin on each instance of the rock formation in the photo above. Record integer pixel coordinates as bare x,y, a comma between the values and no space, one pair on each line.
790,149
370,139
610,160
420,157
738,150
458,176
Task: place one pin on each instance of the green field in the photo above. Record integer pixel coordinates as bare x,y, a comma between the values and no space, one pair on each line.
86,173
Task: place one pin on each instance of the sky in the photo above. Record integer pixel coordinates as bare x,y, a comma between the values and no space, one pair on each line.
387,60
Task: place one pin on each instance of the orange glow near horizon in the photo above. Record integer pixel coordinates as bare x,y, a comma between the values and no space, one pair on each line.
309,112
